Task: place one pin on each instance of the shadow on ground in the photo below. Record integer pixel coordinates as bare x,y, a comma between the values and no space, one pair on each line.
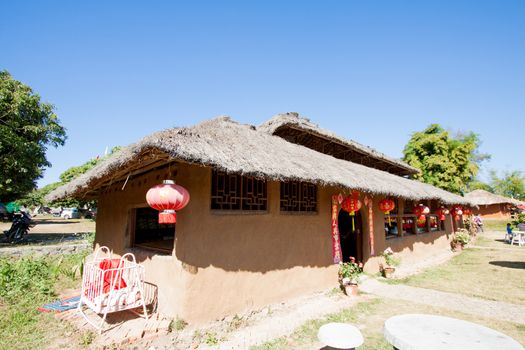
55,222
509,264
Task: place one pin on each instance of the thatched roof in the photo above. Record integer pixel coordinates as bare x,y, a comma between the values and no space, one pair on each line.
302,131
237,148
482,197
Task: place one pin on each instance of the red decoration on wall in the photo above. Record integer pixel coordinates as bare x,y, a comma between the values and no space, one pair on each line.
457,211
387,205
421,211
336,243
351,204
370,203
167,198
467,211
442,212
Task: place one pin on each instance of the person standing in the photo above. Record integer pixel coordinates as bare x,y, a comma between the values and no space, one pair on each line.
479,223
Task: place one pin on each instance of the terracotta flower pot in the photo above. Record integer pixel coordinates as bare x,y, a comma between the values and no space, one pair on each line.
350,289
388,271
457,246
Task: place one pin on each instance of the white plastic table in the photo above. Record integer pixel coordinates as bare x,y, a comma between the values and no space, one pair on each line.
431,332
340,335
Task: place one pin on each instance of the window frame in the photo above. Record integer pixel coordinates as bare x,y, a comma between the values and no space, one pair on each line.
242,184
301,186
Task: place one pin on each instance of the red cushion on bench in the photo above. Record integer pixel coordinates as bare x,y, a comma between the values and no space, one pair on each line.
113,277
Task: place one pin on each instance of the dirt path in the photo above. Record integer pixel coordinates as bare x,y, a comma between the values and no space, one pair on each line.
52,225
50,236
49,231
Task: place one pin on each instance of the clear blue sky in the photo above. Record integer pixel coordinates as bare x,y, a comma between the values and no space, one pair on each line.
373,71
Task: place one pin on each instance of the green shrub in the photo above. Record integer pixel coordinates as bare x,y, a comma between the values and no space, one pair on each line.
26,278
518,219
211,338
25,285
461,236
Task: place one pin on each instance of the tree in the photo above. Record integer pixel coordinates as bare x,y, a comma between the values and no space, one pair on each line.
27,127
511,184
450,163
37,197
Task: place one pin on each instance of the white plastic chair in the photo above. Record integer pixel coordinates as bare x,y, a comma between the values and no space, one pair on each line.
517,237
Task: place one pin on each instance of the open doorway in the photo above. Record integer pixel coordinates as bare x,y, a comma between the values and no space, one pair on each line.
351,235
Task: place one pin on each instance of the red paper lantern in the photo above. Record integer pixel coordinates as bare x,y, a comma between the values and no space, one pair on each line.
167,198
387,205
457,211
467,211
421,211
351,203
441,212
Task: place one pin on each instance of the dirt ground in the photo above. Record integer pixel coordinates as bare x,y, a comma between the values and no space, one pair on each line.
50,229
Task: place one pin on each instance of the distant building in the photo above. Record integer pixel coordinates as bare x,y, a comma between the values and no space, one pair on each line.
493,206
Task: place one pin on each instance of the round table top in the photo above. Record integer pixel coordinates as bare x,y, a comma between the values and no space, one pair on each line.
340,335
432,332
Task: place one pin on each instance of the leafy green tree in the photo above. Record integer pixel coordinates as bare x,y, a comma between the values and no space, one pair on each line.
37,197
511,184
27,127
450,163
75,171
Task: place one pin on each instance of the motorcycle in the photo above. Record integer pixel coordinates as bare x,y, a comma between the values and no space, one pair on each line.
19,228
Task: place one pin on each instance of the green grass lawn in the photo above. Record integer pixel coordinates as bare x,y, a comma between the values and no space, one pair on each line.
496,272
495,225
369,316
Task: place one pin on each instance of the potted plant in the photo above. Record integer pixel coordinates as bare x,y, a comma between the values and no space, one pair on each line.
349,273
460,239
390,263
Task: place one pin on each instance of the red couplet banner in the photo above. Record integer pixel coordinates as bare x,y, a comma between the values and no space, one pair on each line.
371,226
336,243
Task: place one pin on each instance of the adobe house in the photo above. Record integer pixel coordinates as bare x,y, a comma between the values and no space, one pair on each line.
258,228
493,206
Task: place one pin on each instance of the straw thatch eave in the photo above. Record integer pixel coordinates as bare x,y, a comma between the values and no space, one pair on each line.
299,130
235,148
482,197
